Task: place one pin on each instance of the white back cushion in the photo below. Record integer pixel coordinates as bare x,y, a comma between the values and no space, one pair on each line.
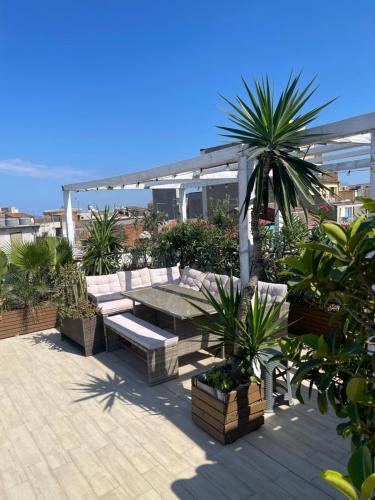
103,284
130,280
209,282
274,292
191,278
165,275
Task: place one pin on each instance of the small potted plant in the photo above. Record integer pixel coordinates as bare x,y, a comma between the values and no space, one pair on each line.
77,315
228,399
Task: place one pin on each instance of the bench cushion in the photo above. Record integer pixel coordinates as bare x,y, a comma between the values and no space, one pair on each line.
140,332
209,282
130,280
165,275
191,278
114,306
103,284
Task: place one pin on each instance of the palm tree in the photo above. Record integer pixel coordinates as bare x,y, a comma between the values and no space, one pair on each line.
272,133
104,246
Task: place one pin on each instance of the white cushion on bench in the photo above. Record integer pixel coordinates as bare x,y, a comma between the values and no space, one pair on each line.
165,275
130,280
114,306
140,332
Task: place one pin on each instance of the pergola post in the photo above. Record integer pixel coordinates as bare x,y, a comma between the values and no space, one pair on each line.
245,168
372,165
279,221
183,204
69,227
205,202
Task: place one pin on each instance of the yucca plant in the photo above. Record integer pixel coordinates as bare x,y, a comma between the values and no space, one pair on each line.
104,246
272,132
251,336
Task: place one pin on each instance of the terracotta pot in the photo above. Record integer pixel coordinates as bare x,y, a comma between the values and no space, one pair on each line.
227,416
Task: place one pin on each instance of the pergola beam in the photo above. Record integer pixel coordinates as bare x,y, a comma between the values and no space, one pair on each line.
346,165
197,163
344,128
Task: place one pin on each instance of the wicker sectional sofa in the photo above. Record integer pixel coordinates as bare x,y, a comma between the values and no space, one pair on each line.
158,347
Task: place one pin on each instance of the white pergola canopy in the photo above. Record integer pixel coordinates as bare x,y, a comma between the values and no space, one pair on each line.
350,146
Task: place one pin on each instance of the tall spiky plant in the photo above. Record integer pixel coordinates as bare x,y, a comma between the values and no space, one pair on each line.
272,132
104,246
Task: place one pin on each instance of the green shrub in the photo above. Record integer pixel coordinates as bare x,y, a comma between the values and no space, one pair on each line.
198,244
341,368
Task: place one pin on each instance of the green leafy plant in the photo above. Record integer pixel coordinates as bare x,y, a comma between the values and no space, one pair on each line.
5,288
264,322
140,254
221,378
220,215
341,368
272,132
152,221
276,245
70,293
198,244
104,246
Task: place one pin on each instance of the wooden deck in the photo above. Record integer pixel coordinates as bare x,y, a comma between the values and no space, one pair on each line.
86,428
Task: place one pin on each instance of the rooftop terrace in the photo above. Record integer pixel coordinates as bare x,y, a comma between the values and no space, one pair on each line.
87,428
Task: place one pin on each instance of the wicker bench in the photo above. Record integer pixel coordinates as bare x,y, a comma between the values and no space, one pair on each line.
156,347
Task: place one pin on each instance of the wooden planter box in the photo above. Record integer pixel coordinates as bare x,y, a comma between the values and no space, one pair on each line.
227,416
27,320
87,332
310,320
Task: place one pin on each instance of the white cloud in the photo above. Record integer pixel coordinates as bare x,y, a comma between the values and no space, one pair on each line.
24,168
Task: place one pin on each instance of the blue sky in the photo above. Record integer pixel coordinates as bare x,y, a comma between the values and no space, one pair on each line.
93,88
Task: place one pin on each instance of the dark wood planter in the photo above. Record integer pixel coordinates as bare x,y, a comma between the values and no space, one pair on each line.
27,320
227,416
87,332
309,320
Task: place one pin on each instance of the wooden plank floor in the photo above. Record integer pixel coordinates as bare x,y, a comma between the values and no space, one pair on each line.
85,428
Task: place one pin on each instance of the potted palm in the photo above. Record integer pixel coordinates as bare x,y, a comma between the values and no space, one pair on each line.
77,316
228,399
26,279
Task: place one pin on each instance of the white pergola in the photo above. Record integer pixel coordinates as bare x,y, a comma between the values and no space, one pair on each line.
350,146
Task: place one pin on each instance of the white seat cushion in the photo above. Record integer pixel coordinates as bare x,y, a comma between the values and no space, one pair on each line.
103,284
114,306
209,282
165,275
140,332
130,280
104,297
191,278
274,292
